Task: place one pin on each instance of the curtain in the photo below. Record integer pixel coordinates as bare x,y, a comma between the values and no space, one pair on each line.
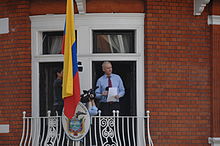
56,44
113,44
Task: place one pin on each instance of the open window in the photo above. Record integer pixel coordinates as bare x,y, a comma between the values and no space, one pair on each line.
127,72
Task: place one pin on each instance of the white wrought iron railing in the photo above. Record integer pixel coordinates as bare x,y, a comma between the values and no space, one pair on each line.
105,130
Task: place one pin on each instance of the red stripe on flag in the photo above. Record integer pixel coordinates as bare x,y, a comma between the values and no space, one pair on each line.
71,102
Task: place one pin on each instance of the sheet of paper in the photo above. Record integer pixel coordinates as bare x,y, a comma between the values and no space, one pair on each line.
112,92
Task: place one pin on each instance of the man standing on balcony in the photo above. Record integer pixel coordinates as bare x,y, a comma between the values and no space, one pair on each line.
57,87
110,89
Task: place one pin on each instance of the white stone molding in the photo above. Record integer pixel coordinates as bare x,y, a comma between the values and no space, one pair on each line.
4,128
81,5
199,6
214,141
4,28
214,20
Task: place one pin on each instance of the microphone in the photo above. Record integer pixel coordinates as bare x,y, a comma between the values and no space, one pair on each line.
107,88
96,87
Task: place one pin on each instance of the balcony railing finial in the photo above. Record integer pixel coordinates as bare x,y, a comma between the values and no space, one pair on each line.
24,114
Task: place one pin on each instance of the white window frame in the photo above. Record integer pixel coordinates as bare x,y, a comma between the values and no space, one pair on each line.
85,24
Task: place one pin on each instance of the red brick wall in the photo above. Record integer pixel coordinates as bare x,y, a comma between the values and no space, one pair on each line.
115,6
215,10
177,72
15,69
177,66
39,7
216,81
215,7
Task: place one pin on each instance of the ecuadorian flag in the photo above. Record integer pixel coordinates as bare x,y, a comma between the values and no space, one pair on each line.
71,87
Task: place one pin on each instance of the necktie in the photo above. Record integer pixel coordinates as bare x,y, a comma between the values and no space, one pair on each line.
109,81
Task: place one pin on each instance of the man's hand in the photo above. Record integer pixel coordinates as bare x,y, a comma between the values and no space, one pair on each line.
105,93
91,96
117,97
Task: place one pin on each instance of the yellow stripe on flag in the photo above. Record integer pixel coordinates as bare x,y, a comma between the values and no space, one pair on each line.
69,41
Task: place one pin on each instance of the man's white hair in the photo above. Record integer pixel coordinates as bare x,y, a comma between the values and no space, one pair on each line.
104,63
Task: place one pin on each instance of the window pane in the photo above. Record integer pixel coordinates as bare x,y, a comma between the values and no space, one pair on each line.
113,41
52,42
46,92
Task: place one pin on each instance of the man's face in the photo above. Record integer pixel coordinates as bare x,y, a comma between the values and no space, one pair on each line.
60,75
107,69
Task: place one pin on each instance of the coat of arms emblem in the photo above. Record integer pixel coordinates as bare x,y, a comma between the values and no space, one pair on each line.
77,127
